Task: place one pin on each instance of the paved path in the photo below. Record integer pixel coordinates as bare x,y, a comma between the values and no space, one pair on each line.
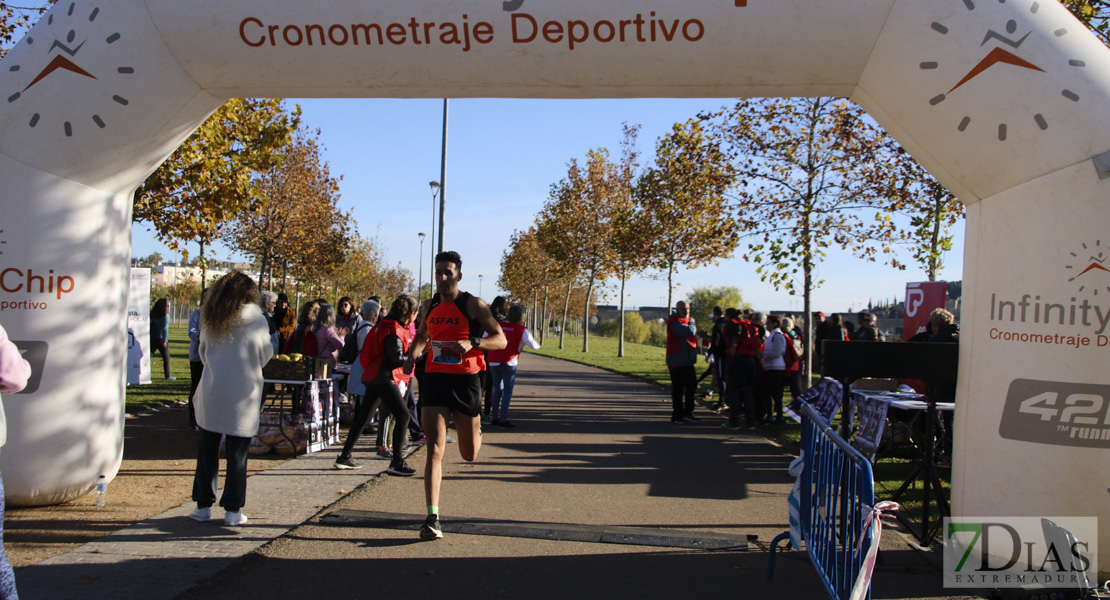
593,451
168,554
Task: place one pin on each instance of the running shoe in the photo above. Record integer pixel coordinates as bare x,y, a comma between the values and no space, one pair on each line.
506,424
420,439
346,463
234,519
400,468
679,420
450,439
731,427
494,423
171,378
201,514
690,418
385,453
431,529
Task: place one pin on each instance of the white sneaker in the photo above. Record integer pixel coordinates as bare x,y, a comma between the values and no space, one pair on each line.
234,519
201,514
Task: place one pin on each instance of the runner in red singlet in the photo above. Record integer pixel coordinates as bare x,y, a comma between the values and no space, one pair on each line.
452,322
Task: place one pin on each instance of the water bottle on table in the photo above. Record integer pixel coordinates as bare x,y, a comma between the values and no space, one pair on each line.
101,491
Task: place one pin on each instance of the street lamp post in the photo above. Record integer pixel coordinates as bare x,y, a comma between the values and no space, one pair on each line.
443,181
432,251
420,277
479,285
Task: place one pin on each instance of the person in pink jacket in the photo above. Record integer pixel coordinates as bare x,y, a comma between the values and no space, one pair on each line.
328,340
14,372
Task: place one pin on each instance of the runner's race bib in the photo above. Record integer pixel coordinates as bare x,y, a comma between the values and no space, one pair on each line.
444,354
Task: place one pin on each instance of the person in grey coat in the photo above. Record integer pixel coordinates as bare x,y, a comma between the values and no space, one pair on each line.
234,346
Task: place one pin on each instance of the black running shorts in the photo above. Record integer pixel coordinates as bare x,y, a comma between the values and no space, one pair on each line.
461,392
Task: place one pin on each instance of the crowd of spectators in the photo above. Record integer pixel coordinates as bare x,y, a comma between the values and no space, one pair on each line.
753,358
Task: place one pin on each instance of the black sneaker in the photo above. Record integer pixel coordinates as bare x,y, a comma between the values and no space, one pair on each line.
679,420
507,425
400,468
346,462
431,529
690,418
494,423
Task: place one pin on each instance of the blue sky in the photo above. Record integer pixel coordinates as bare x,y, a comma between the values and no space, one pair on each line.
502,157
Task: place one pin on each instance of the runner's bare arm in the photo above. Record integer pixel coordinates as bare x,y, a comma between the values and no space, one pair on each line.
480,312
418,342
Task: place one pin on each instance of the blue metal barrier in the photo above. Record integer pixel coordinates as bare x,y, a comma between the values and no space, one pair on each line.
838,490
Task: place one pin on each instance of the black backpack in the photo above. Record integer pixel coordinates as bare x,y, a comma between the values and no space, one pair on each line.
349,353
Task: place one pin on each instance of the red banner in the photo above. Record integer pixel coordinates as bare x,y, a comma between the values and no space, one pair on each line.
921,299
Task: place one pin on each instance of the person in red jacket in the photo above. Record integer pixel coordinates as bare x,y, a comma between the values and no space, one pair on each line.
452,323
682,355
502,364
382,359
744,340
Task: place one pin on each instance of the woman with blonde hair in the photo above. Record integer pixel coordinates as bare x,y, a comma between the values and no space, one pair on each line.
328,340
234,346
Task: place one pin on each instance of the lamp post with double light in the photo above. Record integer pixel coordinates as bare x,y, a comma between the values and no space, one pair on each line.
420,270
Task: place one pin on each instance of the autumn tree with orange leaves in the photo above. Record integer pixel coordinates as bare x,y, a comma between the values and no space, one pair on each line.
366,272
689,218
525,270
575,226
214,176
298,207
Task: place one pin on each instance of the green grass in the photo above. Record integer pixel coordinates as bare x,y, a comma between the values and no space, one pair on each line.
160,391
640,361
647,363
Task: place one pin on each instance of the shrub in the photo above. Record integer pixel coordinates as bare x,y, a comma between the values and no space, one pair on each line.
635,330
657,334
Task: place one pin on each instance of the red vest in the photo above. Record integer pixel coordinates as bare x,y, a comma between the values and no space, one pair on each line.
449,322
514,332
675,343
373,353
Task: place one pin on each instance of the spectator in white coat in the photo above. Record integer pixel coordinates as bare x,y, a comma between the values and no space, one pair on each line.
234,346
774,369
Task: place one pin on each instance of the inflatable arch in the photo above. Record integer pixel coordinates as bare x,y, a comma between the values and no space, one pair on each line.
1003,100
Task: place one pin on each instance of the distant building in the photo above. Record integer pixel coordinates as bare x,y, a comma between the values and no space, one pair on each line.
606,312
169,274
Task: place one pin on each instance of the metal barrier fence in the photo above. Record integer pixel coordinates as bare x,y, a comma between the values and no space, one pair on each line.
837,493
